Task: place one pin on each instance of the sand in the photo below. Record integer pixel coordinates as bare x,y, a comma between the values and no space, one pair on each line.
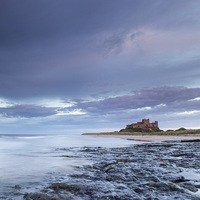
152,138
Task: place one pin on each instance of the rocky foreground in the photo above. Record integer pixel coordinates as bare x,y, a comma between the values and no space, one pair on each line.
168,170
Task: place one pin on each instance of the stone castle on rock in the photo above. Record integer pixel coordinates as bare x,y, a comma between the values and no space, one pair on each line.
144,124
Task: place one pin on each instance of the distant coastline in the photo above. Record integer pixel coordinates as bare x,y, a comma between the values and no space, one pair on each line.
145,128
186,132
190,134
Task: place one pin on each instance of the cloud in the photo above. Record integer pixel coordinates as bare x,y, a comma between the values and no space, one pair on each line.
47,47
5,103
147,97
134,35
54,103
114,44
41,109
71,112
156,103
94,53
26,111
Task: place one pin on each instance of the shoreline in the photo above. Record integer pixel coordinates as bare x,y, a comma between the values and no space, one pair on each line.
151,138
170,169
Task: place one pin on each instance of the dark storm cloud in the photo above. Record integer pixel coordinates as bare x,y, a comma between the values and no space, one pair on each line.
54,49
27,111
26,20
46,46
149,97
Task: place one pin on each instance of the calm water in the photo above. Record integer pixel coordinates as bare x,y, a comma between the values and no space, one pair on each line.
29,160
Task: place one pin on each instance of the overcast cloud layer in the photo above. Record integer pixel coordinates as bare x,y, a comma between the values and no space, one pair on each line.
78,66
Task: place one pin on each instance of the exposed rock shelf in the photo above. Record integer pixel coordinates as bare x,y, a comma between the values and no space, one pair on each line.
147,171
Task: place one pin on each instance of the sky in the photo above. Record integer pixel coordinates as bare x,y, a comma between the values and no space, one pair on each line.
73,66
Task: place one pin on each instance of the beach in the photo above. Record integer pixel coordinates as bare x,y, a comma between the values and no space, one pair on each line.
153,138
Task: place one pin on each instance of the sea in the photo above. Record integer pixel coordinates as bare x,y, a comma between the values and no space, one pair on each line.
28,162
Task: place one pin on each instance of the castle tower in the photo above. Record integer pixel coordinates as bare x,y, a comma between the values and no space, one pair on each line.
145,121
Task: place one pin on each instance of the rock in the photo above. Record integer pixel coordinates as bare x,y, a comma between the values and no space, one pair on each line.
166,187
180,179
138,190
68,187
189,187
17,187
38,196
147,171
196,140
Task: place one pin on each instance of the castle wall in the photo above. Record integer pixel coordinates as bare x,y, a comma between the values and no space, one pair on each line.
144,124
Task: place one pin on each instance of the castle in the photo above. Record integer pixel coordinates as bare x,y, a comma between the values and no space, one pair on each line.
144,124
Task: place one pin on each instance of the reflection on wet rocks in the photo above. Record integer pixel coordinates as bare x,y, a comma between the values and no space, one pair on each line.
147,171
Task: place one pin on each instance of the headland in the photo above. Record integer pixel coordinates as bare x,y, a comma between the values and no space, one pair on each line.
146,131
